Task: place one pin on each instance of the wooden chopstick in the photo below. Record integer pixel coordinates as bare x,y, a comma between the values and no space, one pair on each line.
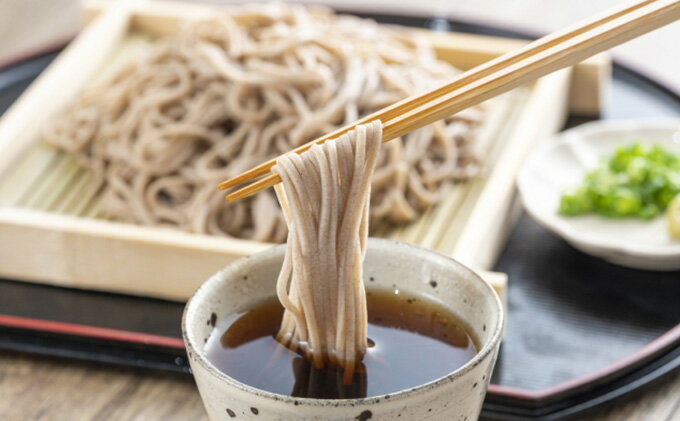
555,51
471,75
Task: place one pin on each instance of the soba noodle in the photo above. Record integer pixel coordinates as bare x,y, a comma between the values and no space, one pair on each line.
320,284
256,81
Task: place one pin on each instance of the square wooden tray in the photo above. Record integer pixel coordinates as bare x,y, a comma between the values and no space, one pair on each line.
51,232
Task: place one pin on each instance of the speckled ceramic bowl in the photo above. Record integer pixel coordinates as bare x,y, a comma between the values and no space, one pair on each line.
457,396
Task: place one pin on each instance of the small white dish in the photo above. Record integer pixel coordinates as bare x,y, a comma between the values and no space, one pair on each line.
563,162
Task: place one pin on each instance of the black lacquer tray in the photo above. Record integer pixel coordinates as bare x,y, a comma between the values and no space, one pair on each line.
581,332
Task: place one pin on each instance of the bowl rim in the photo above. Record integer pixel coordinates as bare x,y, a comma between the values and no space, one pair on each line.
222,275
557,224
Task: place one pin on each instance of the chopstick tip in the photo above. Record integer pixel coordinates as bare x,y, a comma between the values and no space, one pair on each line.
235,196
226,184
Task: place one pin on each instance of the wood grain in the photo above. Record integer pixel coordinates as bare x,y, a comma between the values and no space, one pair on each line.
39,388
42,388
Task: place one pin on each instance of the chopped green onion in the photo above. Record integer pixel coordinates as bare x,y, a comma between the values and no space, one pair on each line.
639,180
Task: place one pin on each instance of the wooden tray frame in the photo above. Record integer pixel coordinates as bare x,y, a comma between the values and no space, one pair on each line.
96,254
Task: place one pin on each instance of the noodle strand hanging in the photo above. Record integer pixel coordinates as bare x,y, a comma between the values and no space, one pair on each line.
320,284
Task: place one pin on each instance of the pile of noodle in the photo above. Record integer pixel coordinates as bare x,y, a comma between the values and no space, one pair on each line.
320,284
228,93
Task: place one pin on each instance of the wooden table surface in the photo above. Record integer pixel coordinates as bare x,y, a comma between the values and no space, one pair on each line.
45,388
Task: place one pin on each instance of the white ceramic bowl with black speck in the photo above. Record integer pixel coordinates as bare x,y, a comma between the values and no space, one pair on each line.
242,284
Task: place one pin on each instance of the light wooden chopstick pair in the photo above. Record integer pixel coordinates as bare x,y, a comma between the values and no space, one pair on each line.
555,51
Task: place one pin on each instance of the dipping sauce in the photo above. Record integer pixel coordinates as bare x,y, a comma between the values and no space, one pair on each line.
412,340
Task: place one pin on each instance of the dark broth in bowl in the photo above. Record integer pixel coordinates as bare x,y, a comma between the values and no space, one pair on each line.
412,340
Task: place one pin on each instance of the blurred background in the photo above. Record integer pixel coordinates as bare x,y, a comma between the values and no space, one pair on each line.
31,26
